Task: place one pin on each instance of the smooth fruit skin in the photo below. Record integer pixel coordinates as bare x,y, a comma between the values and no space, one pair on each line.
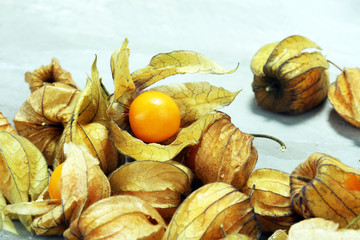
154,116
55,183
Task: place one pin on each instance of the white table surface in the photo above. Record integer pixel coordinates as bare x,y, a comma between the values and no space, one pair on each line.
32,32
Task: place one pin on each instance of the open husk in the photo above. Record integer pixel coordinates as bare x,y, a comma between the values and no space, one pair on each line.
82,184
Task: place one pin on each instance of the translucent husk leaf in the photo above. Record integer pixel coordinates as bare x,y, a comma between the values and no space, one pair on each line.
286,79
89,124
5,125
23,171
5,221
119,64
137,149
118,217
344,95
279,235
260,58
319,228
177,62
232,157
195,99
161,184
49,74
163,65
320,188
270,196
82,184
212,209
42,117
286,49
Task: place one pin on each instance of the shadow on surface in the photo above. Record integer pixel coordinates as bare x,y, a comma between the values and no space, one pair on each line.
344,128
284,118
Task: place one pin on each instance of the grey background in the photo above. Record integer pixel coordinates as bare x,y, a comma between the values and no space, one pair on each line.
228,31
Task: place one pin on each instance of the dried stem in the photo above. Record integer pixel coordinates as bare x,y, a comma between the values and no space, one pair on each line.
335,65
282,144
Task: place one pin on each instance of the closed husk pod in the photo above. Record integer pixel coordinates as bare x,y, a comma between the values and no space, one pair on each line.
224,154
210,211
43,115
118,217
324,187
286,79
344,95
269,191
161,184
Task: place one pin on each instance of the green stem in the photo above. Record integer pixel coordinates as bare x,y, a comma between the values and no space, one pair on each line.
353,222
282,144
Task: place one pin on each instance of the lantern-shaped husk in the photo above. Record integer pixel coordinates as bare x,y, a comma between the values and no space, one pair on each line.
324,187
286,79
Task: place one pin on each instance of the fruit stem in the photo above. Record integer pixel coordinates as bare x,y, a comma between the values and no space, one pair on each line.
282,144
335,65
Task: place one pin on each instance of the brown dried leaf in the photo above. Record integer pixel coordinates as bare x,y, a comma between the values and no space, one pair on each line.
49,74
118,217
89,124
161,184
42,117
23,171
287,79
232,156
323,186
270,196
209,210
344,95
195,99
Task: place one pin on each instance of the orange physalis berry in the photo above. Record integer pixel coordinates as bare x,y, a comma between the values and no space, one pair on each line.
352,183
55,183
154,116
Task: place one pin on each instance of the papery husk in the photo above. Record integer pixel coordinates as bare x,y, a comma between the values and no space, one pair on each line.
279,234
82,184
43,115
286,79
224,154
5,125
344,95
23,171
318,189
269,191
319,228
161,184
49,74
118,217
196,100
211,210
89,125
